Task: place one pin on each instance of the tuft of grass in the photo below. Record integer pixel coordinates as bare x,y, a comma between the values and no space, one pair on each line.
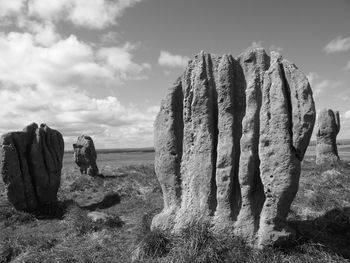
10,216
8,251
197,244
154,245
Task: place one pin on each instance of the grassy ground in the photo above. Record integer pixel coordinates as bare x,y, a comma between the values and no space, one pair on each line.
320,214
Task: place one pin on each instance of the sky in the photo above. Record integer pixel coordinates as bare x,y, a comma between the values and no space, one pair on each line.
101,67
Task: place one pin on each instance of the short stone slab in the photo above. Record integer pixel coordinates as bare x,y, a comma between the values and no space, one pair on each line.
93,201
98,217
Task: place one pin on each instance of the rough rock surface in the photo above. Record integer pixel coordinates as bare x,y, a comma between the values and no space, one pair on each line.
99,217
229,139
328,126
85,155
31,163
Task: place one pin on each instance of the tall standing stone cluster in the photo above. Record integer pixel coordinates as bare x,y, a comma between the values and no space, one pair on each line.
85,155
229,140
328,126
31,163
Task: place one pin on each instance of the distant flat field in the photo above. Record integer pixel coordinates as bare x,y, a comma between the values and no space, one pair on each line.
115,159
132,158
343,151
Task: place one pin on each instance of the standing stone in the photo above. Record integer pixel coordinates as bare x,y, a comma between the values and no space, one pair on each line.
85,155
31,163
168,142
328,126
229,140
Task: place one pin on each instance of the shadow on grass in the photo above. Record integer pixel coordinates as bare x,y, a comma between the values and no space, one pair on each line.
330,231
9,215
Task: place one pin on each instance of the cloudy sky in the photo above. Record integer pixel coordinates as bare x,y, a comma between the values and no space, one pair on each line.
101,67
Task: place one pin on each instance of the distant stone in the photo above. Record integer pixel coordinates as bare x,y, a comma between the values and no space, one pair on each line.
31,163
328,126
85,155
229,139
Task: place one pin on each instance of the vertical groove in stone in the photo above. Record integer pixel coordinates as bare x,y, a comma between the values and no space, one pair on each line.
177,105
253,65
40,164
337,121
211,72
287,93
337,129
239,104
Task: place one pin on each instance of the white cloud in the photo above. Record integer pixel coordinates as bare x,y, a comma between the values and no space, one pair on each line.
45,33
276,48
120,60
257,44
338,44
46,77
173,61
10,8
49,84
40,9
111,37
73,113
68,61
347,114
94,14
319,85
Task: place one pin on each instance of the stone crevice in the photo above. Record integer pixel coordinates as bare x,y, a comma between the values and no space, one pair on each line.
289,107
212,90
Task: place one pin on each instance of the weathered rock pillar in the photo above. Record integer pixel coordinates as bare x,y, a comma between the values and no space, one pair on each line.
85,155
328,126
229,140
31,163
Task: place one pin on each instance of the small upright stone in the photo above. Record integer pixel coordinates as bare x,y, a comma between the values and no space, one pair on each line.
328,126
85,155
31,164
